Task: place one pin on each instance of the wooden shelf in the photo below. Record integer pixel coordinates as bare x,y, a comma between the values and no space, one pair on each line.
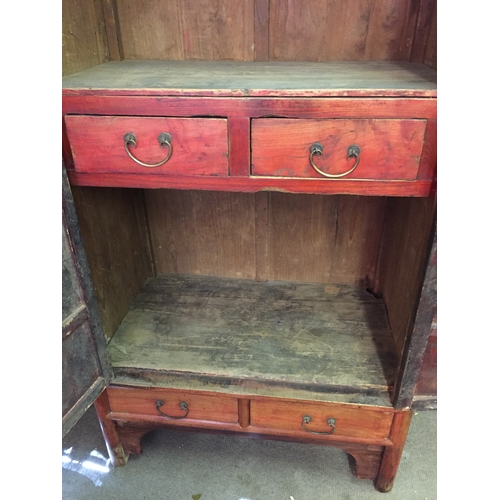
239,78
269,336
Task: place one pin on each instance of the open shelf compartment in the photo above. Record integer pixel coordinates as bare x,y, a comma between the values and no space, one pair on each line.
302,337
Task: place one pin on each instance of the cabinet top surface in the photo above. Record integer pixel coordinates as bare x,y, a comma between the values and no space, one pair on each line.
264,79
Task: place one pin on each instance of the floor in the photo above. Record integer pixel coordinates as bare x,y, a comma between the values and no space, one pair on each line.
180,465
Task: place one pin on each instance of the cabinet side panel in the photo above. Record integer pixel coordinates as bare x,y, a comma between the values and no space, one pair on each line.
187,29
326,30
404,248
427,381
203,232
115,237
84,42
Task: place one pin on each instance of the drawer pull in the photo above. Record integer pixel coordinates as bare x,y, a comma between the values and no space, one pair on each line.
306,419
183,406
165,139
316,149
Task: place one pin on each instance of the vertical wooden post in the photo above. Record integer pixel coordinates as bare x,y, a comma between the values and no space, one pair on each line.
109,431
239,145
392,454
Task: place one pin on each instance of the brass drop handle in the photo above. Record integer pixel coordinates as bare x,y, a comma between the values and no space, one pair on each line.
306,419
183,406
165,140
316,149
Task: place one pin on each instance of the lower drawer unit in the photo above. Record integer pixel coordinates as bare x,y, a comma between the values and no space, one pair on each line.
321,420
172,407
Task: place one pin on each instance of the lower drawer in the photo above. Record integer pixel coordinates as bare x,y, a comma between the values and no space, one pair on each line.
173,405
321,419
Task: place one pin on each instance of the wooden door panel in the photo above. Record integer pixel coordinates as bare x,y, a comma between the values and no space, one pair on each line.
86,369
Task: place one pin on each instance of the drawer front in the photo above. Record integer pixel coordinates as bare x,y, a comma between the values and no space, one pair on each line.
348,422
388,149
199,146
198,407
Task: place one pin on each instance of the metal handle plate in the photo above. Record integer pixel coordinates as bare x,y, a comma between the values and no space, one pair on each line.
316,149
165,140
307,419
182,405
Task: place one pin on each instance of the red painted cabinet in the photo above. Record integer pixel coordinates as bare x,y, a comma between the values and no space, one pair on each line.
331,362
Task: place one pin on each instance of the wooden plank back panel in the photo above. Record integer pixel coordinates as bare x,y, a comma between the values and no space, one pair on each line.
202,232
325,239
284,237
84,42
114,232
391,29
425,40
325,30
187,29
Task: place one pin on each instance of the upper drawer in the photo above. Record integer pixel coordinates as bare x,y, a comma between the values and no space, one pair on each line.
198,146
387,149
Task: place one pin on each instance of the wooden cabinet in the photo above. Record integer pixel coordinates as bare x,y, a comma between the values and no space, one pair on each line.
261,240
301,360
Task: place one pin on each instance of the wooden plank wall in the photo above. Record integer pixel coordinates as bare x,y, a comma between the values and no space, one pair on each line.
84,42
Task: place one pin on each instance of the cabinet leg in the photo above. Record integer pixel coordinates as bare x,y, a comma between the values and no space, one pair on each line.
392,454
131,435
367,461
109,431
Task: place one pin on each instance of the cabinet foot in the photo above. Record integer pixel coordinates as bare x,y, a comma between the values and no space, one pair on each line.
367,460
131,436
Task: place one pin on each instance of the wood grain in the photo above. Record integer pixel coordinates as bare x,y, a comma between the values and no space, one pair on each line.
118,455
230,78
261,236
187,29
323,30
290,334
389,149
427,380
402,264
113,34
420,328
142,401
114,233
392,454
84,44
391,29
351,422
199,145
324,239
261,30
319,30
311,108
424,188
239,146
202,233
425,40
